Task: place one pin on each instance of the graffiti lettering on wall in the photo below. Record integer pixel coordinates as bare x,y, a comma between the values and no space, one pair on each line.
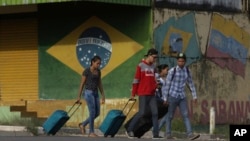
225,111
177,35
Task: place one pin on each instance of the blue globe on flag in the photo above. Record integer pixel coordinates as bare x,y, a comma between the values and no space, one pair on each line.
93,41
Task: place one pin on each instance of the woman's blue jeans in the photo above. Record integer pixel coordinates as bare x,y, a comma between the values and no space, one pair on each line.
183,107
93,103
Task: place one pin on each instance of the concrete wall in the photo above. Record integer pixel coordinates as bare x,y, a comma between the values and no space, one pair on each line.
220,78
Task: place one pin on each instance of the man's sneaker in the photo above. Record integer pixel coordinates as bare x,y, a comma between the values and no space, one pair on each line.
170,137
157,138
193,136
130,134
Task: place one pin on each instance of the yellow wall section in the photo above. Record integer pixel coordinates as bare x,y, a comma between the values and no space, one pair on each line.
18,60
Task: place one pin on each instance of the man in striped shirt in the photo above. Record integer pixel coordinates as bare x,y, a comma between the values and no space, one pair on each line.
175,95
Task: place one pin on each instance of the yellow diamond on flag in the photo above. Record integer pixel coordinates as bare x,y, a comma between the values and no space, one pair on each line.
184,35
123,47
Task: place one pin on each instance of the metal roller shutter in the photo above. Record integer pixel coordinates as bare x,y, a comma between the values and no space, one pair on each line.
18,59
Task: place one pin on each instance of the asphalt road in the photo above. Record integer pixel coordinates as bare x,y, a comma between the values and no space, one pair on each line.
69,138
26,136
68,134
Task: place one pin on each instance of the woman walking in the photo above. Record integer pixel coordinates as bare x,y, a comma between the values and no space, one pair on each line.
91,80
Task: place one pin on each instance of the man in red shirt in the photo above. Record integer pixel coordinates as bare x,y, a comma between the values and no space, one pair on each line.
144,85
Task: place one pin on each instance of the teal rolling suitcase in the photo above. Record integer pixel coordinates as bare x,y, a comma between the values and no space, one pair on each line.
114,120
56,120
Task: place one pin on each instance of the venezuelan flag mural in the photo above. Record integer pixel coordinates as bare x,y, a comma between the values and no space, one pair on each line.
177,35
228,45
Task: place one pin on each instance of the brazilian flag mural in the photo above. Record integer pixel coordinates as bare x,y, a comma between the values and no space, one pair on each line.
71,34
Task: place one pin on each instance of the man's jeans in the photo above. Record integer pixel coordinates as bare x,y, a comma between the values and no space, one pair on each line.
163,121
93,102
146,102
183,107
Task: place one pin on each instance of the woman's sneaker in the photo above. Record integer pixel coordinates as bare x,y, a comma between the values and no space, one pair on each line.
130,134
193,136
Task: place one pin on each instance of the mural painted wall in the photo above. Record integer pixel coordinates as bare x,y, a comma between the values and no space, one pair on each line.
69,35
217,49
230,42
68,39
216,45
177,35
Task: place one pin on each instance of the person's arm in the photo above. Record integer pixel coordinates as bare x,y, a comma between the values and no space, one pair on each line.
168,84
83,80
136,82
192,87
100,86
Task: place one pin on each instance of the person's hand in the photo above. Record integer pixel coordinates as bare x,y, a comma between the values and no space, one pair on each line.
159,84
78,101
132,97
165,103
195,101
103,100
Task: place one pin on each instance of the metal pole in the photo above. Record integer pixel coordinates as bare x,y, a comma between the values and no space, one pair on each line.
212,120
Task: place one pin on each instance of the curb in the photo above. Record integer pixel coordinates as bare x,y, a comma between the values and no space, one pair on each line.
12,128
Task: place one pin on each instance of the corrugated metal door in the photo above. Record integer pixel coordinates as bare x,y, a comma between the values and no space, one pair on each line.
18,59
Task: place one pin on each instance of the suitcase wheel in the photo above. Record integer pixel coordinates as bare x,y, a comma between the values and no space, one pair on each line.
105,135
112,136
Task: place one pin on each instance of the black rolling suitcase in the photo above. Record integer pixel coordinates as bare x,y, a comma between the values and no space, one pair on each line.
145,123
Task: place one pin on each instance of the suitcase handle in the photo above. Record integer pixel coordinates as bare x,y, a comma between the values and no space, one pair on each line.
76,103
133,100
